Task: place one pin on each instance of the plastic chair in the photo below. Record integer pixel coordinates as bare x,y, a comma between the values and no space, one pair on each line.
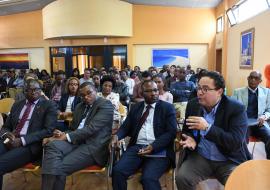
6,105
94,170
30,167
254,140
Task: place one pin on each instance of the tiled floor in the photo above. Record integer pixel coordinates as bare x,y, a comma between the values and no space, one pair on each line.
15,180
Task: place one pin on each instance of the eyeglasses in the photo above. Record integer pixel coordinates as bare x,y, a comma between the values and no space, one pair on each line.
151,90
32,89
88,93
73,84
205,89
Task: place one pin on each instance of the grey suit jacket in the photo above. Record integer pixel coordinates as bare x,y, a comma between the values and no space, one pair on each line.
41,124
97,129
241,94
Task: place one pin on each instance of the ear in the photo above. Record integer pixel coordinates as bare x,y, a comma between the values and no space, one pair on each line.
220,91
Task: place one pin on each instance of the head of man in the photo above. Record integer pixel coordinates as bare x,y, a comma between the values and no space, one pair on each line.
124,75
210,89
88,93
32,90
150,91
254,79
117,78
87,74
180,74
146,76
60,77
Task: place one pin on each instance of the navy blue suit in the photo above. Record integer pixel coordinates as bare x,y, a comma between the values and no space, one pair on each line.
228,132
165,125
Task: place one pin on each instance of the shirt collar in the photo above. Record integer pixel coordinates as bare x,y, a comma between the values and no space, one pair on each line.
253,91
35,102
214,109
152,105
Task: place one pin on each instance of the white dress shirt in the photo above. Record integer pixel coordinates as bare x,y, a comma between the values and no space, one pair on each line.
146,135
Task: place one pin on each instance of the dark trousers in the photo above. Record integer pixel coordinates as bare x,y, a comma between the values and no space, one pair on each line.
263,133
130,162
62,159
197,168
13,159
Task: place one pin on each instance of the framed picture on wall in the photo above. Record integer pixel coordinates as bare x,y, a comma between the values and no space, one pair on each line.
247,49
172,56
14,61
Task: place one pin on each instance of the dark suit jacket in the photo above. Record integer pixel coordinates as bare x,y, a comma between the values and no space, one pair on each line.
97,130
62,105
229,129
165,126
41,123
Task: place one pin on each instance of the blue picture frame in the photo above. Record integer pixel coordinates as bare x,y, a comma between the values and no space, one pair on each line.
247,49
170,56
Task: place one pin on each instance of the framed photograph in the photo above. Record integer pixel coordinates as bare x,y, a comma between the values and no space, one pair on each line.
172,56
14,61
247,49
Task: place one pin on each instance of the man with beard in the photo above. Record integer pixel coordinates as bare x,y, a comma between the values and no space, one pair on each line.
151,124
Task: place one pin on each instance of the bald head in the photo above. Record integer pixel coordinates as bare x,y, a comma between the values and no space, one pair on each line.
254,79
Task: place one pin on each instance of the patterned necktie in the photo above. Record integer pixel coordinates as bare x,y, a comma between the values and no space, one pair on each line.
23,119
145,115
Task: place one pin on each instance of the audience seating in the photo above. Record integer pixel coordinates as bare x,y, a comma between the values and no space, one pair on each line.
253,140
30,167
94,170
6,105
250,175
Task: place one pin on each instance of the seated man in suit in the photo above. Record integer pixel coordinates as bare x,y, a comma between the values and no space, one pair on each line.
151,124
30,120
213,135
257,102
87,143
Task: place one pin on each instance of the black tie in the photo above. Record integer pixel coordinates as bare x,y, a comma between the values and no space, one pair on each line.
144,116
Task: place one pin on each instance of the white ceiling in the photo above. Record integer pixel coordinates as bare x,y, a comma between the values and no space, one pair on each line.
8,7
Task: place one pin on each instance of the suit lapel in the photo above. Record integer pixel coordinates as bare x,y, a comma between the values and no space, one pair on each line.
156,115
245,97
35,112
18,111
261,99
219,117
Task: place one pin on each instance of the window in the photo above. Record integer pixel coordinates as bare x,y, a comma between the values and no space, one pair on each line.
220,24
251,8
231,17
246,9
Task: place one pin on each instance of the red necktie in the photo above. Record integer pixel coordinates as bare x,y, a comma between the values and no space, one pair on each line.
23,119
145,115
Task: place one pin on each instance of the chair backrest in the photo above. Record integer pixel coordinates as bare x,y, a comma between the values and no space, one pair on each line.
250,175
12,92
6,104
122,110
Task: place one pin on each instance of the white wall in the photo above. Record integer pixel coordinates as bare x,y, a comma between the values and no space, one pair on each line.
36,57
198,54
238,77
